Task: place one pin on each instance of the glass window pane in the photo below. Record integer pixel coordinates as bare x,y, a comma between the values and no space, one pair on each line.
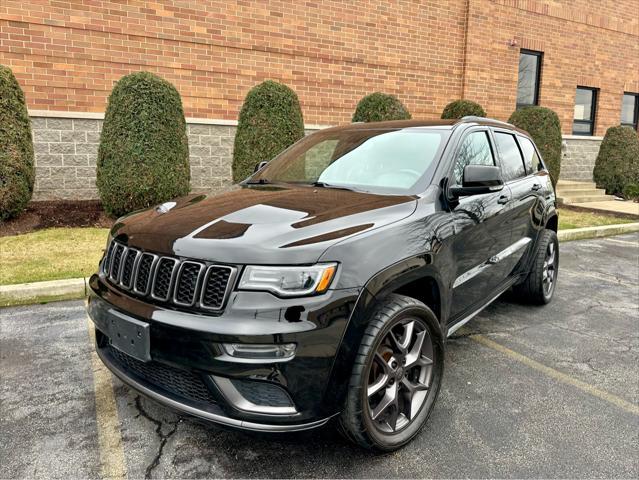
512,165
583,104
376,160
628,109
395,159
527,83
474,150
581,128
531,159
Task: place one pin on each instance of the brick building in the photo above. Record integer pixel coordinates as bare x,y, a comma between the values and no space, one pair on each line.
578,57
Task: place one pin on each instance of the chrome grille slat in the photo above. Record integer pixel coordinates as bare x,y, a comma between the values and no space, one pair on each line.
106,265
144,273
116,262
186,285
215,287
128,265
161,278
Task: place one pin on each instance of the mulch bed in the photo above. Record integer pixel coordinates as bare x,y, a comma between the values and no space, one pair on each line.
59,213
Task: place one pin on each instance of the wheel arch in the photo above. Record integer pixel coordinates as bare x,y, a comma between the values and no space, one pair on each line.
415,277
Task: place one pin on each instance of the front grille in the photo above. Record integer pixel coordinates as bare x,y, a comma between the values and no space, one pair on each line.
116,261
164,278
181,383
127,267
143,275
188,278
185,283
215,283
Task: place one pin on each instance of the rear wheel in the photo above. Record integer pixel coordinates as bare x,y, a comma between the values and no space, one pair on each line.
396,376
540,283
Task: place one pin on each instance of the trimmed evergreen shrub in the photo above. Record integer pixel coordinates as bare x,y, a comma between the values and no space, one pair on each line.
631,192
378,107
143,158
270,121
617,164
462,108
543,126
16,148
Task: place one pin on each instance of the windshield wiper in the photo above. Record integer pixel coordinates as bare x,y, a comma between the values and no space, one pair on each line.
338,187
261,181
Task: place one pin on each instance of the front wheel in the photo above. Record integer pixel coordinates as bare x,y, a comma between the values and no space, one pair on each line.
396,376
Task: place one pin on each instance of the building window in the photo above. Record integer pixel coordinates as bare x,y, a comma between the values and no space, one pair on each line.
630,109
529,78
585,106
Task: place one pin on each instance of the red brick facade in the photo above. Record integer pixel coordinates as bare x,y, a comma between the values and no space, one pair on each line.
68,54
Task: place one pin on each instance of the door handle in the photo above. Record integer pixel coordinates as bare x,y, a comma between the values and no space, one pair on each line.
503,199
535,187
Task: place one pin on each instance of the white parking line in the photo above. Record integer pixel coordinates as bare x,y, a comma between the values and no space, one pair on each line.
559,376
112,463
624,242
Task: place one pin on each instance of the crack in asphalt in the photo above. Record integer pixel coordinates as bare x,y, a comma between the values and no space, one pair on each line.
158,430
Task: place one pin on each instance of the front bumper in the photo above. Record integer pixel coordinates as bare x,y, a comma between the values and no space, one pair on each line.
187,373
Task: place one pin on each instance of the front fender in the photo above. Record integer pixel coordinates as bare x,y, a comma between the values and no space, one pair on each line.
378,287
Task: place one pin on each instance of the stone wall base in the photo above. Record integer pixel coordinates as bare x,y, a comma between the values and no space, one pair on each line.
578,157
66,152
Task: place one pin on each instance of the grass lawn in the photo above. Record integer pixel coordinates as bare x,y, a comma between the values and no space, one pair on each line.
58,253
51,254
573,219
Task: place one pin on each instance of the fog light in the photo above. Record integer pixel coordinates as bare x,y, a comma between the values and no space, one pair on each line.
259,352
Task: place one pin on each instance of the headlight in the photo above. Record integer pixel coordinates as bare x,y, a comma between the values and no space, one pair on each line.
289,281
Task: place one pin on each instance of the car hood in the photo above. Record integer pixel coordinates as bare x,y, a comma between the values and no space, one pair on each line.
260,225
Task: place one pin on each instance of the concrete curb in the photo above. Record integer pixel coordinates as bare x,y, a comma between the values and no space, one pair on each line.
596,232
42,292
74,288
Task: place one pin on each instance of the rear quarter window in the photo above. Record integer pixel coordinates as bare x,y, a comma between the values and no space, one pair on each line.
531,159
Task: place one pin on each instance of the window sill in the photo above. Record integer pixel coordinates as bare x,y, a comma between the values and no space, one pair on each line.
581,137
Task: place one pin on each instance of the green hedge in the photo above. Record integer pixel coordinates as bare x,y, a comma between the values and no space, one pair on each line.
143,157
617,164
543,126
462,108
16,148
378,107
270,121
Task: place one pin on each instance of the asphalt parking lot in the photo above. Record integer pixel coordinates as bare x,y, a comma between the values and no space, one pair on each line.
528,392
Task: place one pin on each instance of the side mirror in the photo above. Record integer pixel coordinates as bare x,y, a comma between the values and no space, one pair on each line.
260,166
477,180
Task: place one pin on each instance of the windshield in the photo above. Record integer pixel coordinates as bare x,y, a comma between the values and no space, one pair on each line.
376,160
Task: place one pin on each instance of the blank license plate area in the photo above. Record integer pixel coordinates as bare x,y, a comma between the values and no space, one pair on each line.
129,335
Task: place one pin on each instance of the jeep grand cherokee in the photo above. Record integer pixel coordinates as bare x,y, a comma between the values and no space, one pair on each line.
326,285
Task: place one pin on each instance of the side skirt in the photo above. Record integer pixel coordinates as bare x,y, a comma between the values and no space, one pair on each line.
456,326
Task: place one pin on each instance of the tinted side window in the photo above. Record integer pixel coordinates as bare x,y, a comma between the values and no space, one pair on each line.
531,159
474,150
511,163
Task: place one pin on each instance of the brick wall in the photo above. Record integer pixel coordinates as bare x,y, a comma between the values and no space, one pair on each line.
67,55
586,43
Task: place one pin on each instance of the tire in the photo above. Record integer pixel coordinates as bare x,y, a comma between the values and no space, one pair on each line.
535,288
392,316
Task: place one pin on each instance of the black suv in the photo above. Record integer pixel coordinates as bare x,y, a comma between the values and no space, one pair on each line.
327,283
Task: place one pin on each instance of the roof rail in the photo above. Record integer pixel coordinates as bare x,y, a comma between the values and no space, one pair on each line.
474,118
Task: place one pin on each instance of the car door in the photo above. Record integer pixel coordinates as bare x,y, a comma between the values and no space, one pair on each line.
521,209
481,232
